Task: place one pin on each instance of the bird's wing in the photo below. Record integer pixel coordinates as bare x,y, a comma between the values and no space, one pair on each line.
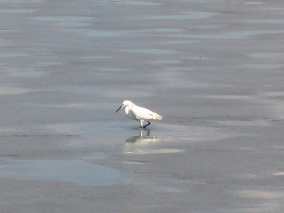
146,114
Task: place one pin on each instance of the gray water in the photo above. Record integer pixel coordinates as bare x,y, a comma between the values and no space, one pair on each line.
70,171
213,69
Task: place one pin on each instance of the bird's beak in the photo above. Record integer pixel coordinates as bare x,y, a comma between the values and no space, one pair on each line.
118,108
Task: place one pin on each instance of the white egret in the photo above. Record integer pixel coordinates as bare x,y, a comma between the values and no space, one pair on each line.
138,113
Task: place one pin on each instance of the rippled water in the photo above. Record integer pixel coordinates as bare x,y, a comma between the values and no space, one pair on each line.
213,69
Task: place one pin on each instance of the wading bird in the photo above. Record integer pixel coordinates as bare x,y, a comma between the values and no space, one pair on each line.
138,113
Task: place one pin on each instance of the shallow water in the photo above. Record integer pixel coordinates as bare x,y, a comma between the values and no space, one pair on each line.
213,69
64,171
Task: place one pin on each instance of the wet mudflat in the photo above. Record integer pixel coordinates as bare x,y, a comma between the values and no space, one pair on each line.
213,69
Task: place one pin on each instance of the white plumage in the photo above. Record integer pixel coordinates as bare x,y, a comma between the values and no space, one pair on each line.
138,113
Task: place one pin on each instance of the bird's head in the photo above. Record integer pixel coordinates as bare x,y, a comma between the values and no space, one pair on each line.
125,103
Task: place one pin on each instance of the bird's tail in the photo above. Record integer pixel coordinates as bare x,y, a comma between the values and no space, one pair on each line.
158,117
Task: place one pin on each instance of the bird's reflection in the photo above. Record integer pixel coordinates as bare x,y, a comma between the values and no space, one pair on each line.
141,143
144,137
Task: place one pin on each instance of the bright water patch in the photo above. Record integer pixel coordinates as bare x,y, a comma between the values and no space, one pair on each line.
67,171
264,55
254,3
244,123
232,34
66,21
278,173
184,16
108,33
151,51
25,73
17,11
141,3
145,144
13,91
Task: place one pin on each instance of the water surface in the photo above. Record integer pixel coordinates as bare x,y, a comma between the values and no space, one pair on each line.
213,69
64,171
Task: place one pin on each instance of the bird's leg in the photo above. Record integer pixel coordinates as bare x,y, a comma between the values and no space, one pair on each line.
141,123
148,123
148,132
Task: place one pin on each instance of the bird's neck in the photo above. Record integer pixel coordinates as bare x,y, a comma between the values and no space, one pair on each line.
128,108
